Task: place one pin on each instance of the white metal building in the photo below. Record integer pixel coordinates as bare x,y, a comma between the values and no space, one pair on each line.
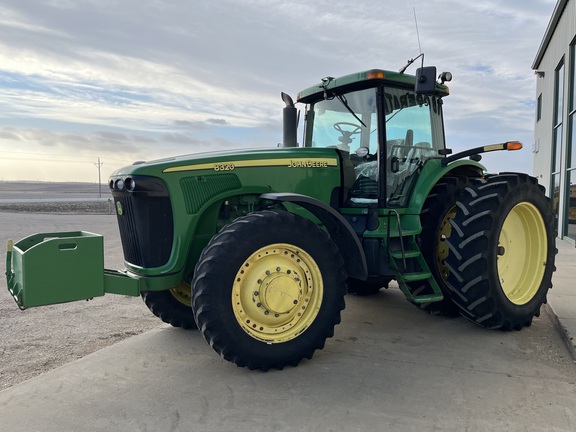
555,131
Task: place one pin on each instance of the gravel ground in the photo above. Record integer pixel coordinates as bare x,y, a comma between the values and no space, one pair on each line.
39,339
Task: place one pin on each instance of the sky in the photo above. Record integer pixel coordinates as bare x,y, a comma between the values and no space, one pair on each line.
129,80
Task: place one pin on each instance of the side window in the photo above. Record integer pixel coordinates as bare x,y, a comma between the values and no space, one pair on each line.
412,137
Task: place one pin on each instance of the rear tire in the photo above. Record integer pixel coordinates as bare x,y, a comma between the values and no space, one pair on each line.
439,208
268,290
172,306
502,251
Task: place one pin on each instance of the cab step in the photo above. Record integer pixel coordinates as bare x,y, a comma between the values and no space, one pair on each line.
407,254
411,270
413,277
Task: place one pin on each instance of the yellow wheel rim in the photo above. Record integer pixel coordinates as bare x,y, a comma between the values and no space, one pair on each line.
522,249
183,294
442,250
277,293
572,213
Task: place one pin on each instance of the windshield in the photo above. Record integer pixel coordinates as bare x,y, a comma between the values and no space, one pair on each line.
347,122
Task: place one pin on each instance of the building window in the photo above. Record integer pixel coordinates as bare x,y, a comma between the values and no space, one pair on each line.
557,138
570,192
558,114
572,157
570,224
539,107
559,94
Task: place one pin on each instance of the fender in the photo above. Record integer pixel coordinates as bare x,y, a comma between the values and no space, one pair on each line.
340,230
432,172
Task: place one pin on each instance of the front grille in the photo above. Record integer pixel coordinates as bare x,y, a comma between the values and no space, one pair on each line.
145,222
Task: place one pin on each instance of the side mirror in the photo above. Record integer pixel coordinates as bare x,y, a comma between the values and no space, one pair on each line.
425,80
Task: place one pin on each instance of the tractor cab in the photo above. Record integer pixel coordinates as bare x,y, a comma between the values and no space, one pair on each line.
384,129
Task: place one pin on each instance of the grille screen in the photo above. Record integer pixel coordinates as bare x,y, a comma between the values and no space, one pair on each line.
145,222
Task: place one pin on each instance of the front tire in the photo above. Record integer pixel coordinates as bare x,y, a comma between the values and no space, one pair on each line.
502,251
172,306
268,290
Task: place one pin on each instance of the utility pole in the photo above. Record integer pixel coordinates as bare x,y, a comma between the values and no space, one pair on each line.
98,165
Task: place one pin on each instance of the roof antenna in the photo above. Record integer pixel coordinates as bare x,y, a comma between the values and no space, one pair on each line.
421,55
417,33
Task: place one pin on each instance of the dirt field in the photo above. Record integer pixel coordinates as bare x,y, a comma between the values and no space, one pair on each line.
62,198
39,339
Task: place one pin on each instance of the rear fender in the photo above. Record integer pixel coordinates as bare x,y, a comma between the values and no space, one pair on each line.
432,172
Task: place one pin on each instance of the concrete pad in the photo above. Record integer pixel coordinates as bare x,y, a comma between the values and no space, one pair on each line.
562,296
389,367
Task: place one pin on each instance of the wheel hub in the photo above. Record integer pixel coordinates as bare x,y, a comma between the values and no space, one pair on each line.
277,293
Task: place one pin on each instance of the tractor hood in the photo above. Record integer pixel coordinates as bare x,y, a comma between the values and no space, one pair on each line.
232,159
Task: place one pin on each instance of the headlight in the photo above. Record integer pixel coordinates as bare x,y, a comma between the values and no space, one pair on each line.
129,184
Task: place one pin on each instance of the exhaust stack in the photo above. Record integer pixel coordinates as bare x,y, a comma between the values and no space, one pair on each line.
290,122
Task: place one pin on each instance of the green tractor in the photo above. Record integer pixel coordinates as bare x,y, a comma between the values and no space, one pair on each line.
258,248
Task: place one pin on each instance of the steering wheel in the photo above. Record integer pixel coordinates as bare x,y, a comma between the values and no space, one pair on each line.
346,135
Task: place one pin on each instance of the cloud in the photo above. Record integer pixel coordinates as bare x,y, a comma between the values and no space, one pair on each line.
197,124
138,78
8,133
178,138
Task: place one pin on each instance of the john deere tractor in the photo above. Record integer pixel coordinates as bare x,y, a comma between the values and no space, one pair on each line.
258,248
